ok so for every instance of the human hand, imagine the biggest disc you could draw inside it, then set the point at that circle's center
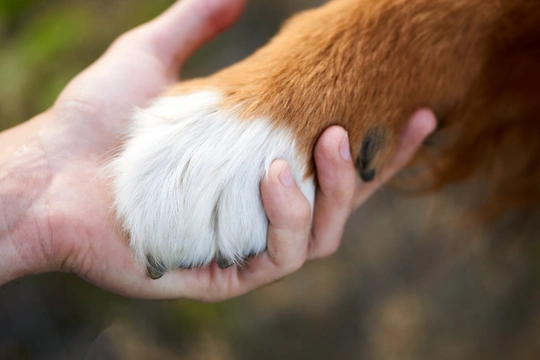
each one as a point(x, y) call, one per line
point(55, 163)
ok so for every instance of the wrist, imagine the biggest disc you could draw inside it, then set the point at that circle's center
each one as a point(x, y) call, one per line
point(24, 179)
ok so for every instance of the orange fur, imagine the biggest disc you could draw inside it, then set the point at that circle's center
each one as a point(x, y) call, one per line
point(368, 64)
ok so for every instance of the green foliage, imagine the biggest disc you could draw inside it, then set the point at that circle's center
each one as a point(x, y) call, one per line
point(13, 9)
point(32, 75)
point(44, 45)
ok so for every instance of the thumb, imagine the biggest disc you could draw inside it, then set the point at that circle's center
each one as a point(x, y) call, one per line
point(187, 25)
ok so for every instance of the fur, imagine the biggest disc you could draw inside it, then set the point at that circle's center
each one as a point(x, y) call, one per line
point(365, 65)
point(187, 183)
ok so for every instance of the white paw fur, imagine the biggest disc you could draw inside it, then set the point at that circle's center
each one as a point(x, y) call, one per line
point(186, 182)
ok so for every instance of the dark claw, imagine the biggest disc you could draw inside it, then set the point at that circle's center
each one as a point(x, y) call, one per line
point(224, 263)
point(155, 268)
point(187, 267)
point(367, 175)
point(374, 140)
point(250, 256)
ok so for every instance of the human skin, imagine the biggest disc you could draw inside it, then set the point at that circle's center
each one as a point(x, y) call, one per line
point(55, 201)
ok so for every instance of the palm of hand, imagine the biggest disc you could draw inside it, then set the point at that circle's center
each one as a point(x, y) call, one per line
point(79, 135)
point(72, 216)
point(89, 118)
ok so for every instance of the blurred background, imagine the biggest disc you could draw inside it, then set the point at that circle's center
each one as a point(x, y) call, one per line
point(413, 279)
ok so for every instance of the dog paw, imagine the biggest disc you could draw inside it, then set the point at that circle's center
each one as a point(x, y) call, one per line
point(186, 182)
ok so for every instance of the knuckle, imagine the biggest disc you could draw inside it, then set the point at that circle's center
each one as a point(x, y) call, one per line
point(289, 259)
point(328, 250)
point(138, 35)
point(295, 263)
point(297, 218)
point(340, 189)
point(302, 215)
point(124, 38)
point(323, 248)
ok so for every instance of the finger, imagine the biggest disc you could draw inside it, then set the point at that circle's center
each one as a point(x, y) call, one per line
point(337, 184)
point(289, 216)
point(420, 125)
point(188, 24)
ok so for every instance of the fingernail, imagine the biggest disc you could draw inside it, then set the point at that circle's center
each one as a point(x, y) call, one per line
point(285, 176)
point(344, 149)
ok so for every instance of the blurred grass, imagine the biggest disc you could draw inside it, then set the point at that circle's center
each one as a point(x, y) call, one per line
point(46, 43)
